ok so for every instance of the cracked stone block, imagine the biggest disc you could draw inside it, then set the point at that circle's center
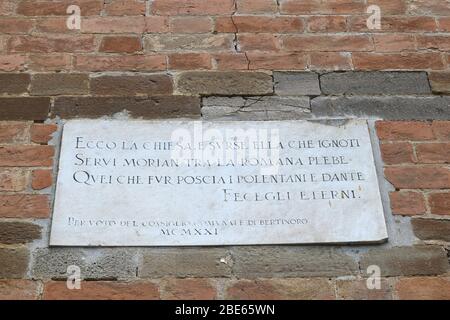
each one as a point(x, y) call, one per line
point(296, 83)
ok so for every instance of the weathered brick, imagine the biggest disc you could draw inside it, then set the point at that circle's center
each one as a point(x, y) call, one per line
point(386, 107)
point(258, 41)
point(330, 61)
point(431, 229)
point(95, 264)
point(276, 261)
point(429, 7)
point(397, 61)
point(281, 289)
point(225, 83)
point(26, 156)
point(423, 288)
point(397, 153)
point(13, 132)
point(327, 43)
point(24, 108)
point(320, 7)
point(395, 24)
point(193, 7)
point(19, 290)
point(258, 60)
point(190, 61)
point(13, 180)
point(190, 24)
point(416, 177)
point(407, 261)
point(100, 24)
point(24, 206)
point(18, 232)
point(48, 44)
point(186, 262)
point(188, 289)
point(255, 108)
point(258, 24)
point(404, 130)
point(16, 25)
point(433, 152)
point(296, 83)
point(120, 63)
point(441, 129)
point(50, 62)
point(41, 179)
point(155, 84)
point(145, 107)
point(230, 61)
point(394, 42)
point(102, 290)
point(59, 84)
point(14, 83)
point(188, 42)
point(358, 290)
point(433, 42)
point(375, 83)
point(407, 203)
point(124, 8)
point(439, 203)
point(121, 44)
point(256, 6)
point(50, 8)
point(327, 24)
point(12, 62)
point(42, 133)
point(440, 81)
point(54, 25)
point(13, 262)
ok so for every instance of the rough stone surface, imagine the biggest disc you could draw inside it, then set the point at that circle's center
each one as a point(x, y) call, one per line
point(103, 264)
point(225, 83)
point(18, 232)
point(13, 262)
point(24, 108)
point(419, 260)
point(377, 83)
point(389, 107)
point(186, 262)
point(255, 108)
point(131, 85)
point(59, 83)
point(275, 261)
point(296, 83)
point(139, 107)
point(431, 229)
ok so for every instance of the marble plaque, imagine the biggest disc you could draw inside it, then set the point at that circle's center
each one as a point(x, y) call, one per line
point(194, 183)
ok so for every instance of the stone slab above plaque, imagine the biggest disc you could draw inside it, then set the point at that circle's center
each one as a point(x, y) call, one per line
point(194, 183)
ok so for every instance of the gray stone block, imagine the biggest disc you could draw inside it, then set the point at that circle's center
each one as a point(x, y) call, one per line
point(283, 261)
point(256, 108)
point(407, 261)
point(376, 83)
point(107, 264)
point(385, 107)
point(296, 83)
point(186, 262)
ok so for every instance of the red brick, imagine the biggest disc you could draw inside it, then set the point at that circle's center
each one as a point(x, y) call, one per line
point(444, 24)
point(124, 44)
point(12, 62)
point(156, 24)
point(256, 6)
point(16, 25)
point(13, 132)
point(51, 8)
point(13, 180)
point(433, 42)
point(330, 61)
point(120, 63)
point(404, 130)
point(397, 153)
point(47, 44)
point(440, 81)
point(19, 290)
point(125, 8)
point(24, 206)
point(281, 289)
point(433, 152)
point(193, 7)
point(191, 25)
point(258, 24)
point(439, 203)
point(7, 7)
point(327, 24)
point(423, 288)
point(276, 61)
point(54, 25)
point(429, 7)
point(41, 179)
point(407, 203)
point(327, 43)
point(131, 85)
point(50, 62)
point(441, 129)
point(259, 41)
point(416, 177)
point(321, 7)
point(395, 24)
point(188, 289)
point(26, 156)
point(42, 133)
point(230, 61)
point(394, 42)
point(358, 290)
point(397, 61)
point(113, 25)
point(102, 290)
point(390, 7)
point(189, 61)
point(24, 108)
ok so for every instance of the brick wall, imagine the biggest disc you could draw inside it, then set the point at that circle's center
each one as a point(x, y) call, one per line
point(229, 60)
